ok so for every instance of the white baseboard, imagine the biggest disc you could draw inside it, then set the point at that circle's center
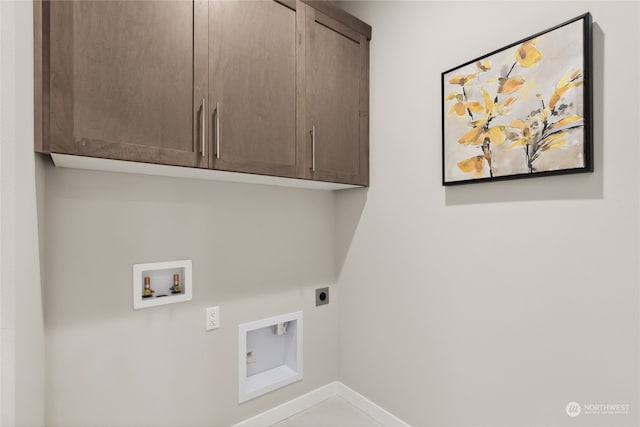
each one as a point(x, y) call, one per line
point(306, 401)
point(378, 413)
point(290, 408)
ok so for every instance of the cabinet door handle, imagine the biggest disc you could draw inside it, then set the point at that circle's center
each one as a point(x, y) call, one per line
point(203, 124)
point(217, 130)
point(313, 148)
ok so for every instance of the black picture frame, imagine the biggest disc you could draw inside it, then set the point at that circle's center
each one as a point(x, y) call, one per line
point(524, 110)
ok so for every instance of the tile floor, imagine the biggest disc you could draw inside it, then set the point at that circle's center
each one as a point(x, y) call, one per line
point(333, 412)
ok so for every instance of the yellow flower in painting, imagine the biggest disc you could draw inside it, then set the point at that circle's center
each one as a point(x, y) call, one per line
point(566, 121)
point(460, 108)
point(501, 106)
point(472, 136)
point(472, 164)
point(554, 145)
point(567, 82)
point(510, 84)
point(488, 102)
point(553, 141)
point(527, 54)
point(462, 80)
point(483, 65)
point(523, 135)
point(509, 101)
point(519, 124)
point(480, 133)
point(496, 134)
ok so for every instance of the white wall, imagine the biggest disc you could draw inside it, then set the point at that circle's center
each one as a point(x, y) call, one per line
point(257, 251)
point(490, 304)
point(22, 336)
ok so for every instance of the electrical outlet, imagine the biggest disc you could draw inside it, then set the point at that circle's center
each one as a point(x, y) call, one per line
point(322, 296)
point(213, 318)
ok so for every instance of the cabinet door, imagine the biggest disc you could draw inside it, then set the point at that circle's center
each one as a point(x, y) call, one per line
point(252, 80)
point(337, 100)
point(127, 79)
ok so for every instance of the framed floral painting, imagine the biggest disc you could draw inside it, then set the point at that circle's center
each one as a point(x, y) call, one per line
point(521, 111)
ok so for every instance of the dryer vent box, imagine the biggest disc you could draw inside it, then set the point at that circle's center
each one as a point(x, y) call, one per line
point(270, 354)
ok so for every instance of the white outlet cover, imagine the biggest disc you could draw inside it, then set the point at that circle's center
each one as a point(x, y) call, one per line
point(212, 318)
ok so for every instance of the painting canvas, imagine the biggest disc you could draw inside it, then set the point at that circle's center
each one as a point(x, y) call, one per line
point(521, 111)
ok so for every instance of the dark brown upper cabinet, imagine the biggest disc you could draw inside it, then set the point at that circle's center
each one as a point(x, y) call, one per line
point(274, 88)
point(123, 80)
point(337, 100)
point(252, 86)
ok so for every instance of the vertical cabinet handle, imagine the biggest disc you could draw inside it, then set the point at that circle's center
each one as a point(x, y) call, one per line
point(217, 130)
point(313, 148)
point(203, 124)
